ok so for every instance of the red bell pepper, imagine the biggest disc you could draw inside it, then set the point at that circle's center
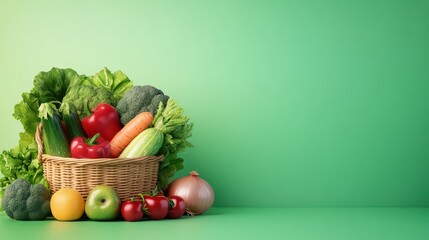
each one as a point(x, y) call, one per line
point(95, 147)
point(104, 120)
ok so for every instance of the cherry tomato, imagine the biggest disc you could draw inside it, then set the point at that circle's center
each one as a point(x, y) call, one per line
point(177, 208)
point(132, 210)
point(156, 206)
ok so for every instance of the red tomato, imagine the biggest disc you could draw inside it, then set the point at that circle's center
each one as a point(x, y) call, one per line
point(132, 210)
point(156, 206)
point(178, 207)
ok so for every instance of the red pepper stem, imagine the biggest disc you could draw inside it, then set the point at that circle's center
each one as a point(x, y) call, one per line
point(92, 141)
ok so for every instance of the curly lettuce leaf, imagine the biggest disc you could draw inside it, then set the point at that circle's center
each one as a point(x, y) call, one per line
point(54, 84)
point(175, 125)
point(26, 112)
point(20, 162)
point(117, 83)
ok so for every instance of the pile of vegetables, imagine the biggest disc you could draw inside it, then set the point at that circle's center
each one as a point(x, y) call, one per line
point(142, 121)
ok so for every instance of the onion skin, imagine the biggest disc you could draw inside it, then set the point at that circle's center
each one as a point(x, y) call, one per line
point(195, 191)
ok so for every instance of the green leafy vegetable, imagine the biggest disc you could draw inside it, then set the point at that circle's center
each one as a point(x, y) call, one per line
point(20, 162)
point(53, 85)
point(177, 129)
point(168, 168)
point(117, 83)
point(86, 97)
point(26, 112)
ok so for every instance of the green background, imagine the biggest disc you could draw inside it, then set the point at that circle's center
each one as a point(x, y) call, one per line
point(295, 103)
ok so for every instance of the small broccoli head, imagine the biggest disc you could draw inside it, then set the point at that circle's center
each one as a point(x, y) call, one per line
point(135, 100)
point(23, 201)
point(153, 106)
point(38, 204)
point(14, 199)
point(86, 97)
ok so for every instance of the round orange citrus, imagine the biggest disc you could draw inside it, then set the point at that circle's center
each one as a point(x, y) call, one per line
point(67, 205)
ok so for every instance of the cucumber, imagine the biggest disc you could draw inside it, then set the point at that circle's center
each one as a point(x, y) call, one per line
point(147, 143)
point(54, 138)
point(72, 121)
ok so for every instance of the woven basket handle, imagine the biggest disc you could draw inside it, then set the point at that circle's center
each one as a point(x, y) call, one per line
point(39, 141)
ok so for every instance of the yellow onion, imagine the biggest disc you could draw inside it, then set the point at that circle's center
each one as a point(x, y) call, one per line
point(195, 191)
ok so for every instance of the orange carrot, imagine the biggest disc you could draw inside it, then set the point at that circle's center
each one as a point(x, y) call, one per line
point(129, 132)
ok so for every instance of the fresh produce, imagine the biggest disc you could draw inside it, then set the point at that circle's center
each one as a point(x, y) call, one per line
point(25, 201)
point(21, 161)
point(146, 143)
point(177, 207)
point(102, 203)
point(167, 135)
point(129, 132)
point(72, 121)
point(171, 128)
point(156, 207)
point(95, 147)
point(67, 205)
point(104, 120)
point(117, 82)
point(140, 99)
point(197, 193)
point(132, 210)
point(54, 138)
point(177, 128)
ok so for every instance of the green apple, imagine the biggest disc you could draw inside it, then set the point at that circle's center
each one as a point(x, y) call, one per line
point(102, 203)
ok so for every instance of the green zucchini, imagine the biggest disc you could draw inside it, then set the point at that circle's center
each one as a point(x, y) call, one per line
point(147, 143)
point(72, 121)
point(54, 138)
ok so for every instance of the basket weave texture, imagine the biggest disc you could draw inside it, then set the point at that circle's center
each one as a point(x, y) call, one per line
point(128, 176)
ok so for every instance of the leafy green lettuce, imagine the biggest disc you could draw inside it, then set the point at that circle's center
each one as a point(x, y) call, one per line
point(53, 85)
point(117, 83)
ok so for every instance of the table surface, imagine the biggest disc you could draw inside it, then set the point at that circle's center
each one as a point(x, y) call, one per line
point(240, 223)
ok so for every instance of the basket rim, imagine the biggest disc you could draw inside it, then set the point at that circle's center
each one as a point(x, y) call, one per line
point(99, 161)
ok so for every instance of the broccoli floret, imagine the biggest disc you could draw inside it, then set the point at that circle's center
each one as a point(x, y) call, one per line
point(139, 99)
point(154, 104)
point(24, 201)
point(86, 97)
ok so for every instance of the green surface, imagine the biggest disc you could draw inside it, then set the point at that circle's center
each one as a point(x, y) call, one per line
point(315, 103)
point(242, 223)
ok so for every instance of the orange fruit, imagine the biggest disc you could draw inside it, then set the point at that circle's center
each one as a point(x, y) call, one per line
point(67, 205)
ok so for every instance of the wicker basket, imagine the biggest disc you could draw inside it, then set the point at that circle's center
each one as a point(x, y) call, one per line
point(128, 176)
